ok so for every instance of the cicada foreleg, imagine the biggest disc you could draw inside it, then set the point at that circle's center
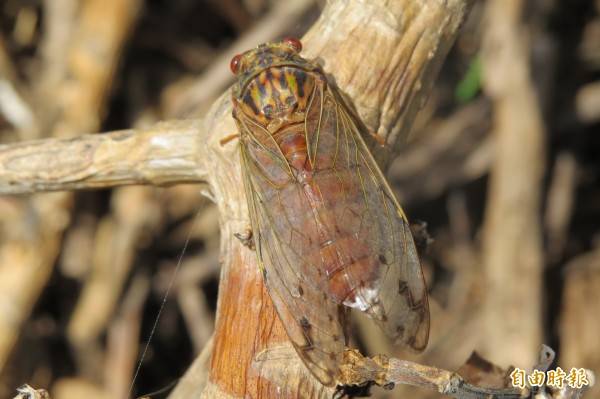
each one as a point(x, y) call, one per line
point(246, 238)
point(228, 138)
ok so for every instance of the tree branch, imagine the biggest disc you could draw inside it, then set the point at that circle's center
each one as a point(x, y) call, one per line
point(512, 241)
point(387, 372)
point(163, 154)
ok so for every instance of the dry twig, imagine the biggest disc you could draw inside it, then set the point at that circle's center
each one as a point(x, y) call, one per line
point(512, 238)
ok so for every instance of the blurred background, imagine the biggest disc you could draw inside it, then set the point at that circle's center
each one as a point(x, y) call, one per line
point(83, 275)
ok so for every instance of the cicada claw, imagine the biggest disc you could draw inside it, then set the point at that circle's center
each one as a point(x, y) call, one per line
point(246, 238)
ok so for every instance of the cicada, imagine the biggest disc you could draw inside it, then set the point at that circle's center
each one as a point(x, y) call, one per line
point(328, 231)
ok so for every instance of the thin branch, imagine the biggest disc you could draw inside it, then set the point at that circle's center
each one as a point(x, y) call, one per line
point(14, 107)
point(512, 244)
point(163, 154)
point(360, 370)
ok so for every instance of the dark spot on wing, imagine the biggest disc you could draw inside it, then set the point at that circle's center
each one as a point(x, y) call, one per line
point(417, 305)
point(382, 259)
point(300, 290)
point(402, 286)
point(400, 330)
point(308, 347)
point(305, 324)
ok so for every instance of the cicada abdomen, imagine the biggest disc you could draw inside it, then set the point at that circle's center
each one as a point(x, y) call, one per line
point(328, 231)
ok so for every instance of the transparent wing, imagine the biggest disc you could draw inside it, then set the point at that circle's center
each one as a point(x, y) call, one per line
point(389, 284)
point(313, 322)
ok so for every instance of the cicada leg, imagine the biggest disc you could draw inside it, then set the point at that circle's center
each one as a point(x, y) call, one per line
point(378, 138)
point(229, 138)
point(246, 238)
point(423, 240)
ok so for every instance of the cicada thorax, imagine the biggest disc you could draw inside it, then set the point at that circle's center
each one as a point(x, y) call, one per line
point(276, 102)
point(280, 103)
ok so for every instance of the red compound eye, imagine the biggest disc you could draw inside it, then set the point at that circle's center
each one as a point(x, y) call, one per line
point(234, 65)
point(293, 43)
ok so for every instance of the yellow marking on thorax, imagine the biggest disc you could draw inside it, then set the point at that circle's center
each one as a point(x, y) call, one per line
point(268, 98)
point(291, 81)
point(256, 97)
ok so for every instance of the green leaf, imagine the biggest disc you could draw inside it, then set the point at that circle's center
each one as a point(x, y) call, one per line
point(470, 84)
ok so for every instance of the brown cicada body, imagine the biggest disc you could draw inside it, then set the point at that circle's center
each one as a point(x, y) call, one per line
point(328, 231)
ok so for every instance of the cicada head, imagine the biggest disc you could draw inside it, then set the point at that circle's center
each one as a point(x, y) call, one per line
point(274, 84)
